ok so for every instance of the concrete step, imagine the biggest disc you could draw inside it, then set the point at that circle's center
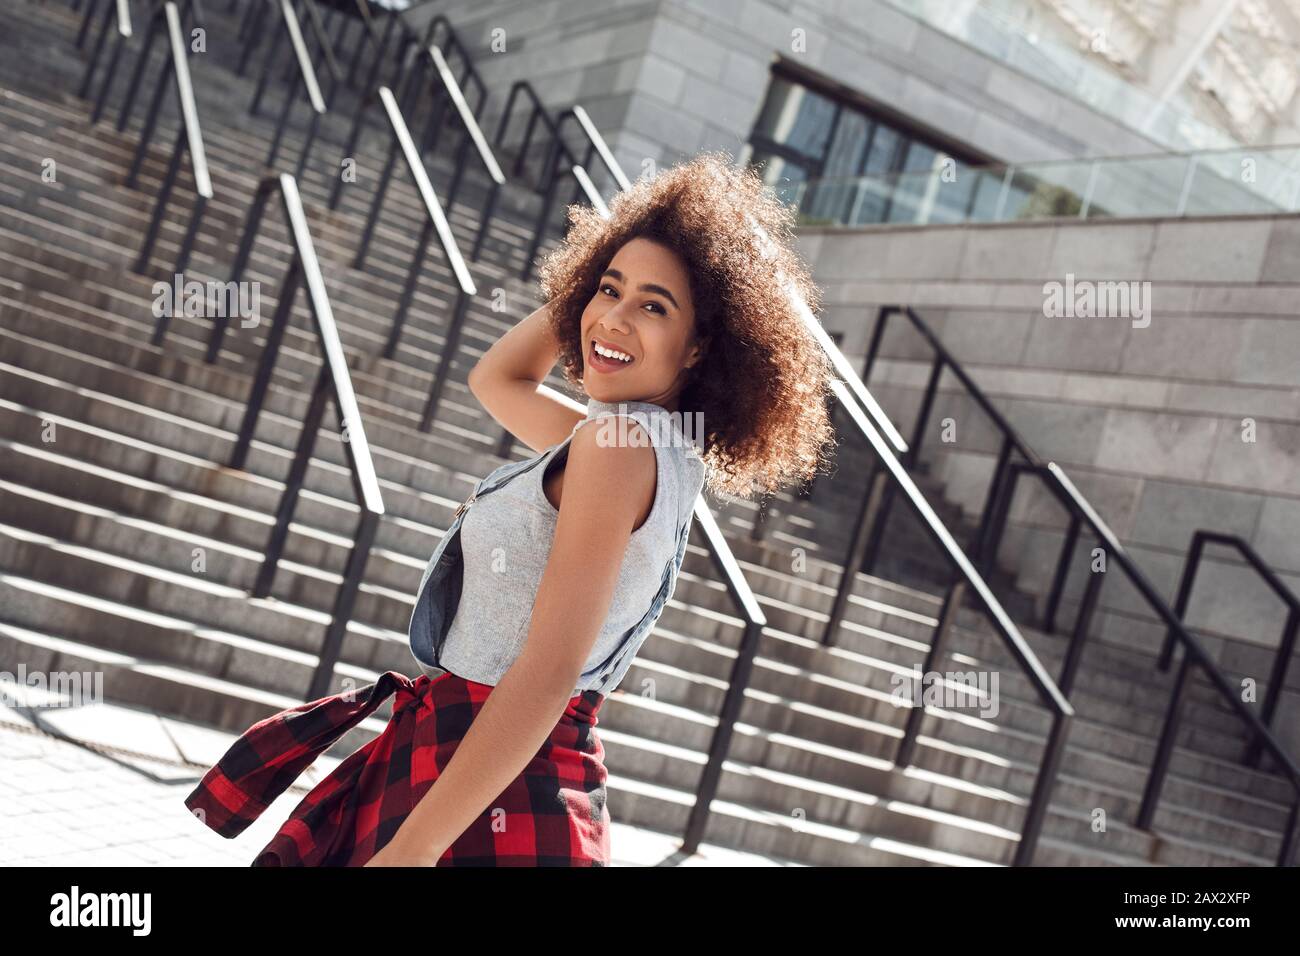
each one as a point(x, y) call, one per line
point(171, 690)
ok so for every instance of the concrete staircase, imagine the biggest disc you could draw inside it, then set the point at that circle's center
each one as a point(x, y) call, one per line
point(128, 546)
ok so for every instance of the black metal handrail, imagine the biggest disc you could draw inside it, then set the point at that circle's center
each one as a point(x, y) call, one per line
point(317, 32)
point(875, 427)
point(451, 43)
point(114, 10)
point(333, 380)
point(370, 36)
point(894, 471)
point(435, 222)
point(746, 604)
point(472, 135)
point(538, 112)
point(1081, 515)
point(593, 195)
point(379, 45)
point(596, 146)
point(325, 48)
point(189, 140)
point(943, 361)
point(190, 12)
point(1282, 659)
point(398, 78)
point(305, 77)
point(1194, 654)
point(557, 151)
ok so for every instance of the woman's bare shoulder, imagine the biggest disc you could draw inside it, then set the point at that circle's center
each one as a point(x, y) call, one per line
point(605, 464)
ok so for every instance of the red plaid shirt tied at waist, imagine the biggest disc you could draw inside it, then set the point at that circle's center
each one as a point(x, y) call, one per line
point(554, 813)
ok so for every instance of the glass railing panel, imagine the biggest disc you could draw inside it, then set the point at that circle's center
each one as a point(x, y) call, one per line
point(1052, 190)
point(1237, 182)
point(1219, 182)
point(1142, 187)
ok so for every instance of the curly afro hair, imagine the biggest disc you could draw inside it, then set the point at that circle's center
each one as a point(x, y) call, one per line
point(762, 385)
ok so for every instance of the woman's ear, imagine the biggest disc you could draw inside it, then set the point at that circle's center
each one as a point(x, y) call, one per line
point(697, 353)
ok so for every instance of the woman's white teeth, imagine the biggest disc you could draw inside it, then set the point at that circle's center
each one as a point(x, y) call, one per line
point(611, 353)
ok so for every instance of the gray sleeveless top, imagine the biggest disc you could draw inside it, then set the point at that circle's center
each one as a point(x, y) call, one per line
point(506, 539)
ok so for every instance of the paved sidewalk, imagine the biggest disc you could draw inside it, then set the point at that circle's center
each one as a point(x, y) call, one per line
point(78, 799)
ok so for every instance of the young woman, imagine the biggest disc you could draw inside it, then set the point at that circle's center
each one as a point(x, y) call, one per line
point(673, 310)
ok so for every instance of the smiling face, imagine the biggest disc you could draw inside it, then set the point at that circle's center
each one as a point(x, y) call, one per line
point(638, 330)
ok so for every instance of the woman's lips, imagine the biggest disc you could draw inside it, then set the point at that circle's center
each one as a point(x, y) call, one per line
point(602, 364)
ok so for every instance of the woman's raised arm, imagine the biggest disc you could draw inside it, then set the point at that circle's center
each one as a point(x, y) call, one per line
point(508, 379)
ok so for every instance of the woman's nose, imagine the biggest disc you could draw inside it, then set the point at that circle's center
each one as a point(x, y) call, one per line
point(616, 320)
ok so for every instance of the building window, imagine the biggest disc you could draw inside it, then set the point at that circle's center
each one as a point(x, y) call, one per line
point(804, 133)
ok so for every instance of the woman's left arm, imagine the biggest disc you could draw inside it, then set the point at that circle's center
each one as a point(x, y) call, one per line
point(608, 490)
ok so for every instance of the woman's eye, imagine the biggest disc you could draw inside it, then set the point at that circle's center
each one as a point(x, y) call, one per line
point(657, 307)
point(610, 287)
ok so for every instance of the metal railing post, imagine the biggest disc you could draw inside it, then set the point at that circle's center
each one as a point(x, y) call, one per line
point(372, 217)
point(408, 289)
point(150, 123)
point(1043, 784)
point(990, 503)
point(110, 74)
point(1074, 652)
point(286, 110)
point(710, 778)
point(1190, 567)
point(916, 713)
point(871, 502)
point(1164, 747)
point(266, 364)
point(268, 62)
point(344, 601)
point(543, 216)
point(160, 207)
point(1276, 678)
point(137, 75)
point(1061, 574)
point(293, 484)
point(247, 238)
point(450, 344)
